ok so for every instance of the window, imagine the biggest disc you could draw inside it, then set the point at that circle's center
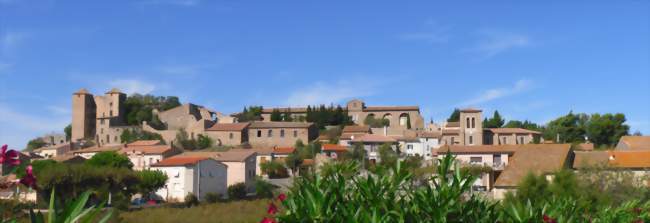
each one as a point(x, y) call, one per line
point(259, 133)
point(110, 113)
point(521, 139)
point(452, 141)
point(409, 147)
point(471, 140)
point(467, 121)
point(270, 133)
point(115, 139)
point(282, 133)
point(505, 140)
point(474, 160)
point(473, 123)
point(230, 136)
point(108, 139)
point(295, 133)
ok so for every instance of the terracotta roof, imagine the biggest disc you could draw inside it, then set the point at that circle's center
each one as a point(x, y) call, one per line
point(350, 135)
point(284, 150)
point(155, 149)
point(470, 110)
point(96, 149)
point(450, 131)
point(334, 148)
point(356, 129)
point(145, 143)
point(452, 124)
point(392, 108)
point(482, 149)
point(512, 130)
point(229, 126)
point(264, 125)
point(405, 138)
point(586, 159)
point(180, 161)
point(228, 156)
point(307, 162)
point(374, 138)
point(629, 159)
point(636, 142)
point(535, 158)
point(323, 137)
point(429, 134)
point(584, 146)
point(258, 150)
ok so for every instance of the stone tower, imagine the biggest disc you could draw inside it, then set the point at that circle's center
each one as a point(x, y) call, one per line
point(83, 115)
point(471, 127)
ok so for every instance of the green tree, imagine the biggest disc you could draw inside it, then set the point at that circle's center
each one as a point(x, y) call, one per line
point(408, 121)
point(237, 191)
point(132, 135)
point(376, 122)
point(606, 129)
point(35, 144)
point(455, 116)
point(252, 113)
point(68, 132)
point(570, 128)
point(495, 122)
point(276, 116)
point(524, 125)
point(203, 142)
point(534, 188)
point(150, 181)
point(110, 159)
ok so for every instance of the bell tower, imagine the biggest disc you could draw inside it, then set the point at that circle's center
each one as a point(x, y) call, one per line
point(471, 127)
point(83, 115)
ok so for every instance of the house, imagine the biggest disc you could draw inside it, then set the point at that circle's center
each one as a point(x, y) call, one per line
point(143, 153)
point(349, 132)
point(231, 134)
point(89, 152)
point(269, 134)
point(263, 155)
point(430, 142)
point(531, 158)
point(54, 150)
point(333, 151)
point(281, 153)
point(467, 131)
point(636, 162)
point(494, 157)
point(241, 165)
point(512, 136)
point(372, 143)
point(411, 146)
point(70, 159)
point(193, 119)
point(633, 143)
point(196, 175)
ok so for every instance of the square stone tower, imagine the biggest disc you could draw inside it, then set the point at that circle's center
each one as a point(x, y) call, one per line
point(471, 127)
point(83, 115)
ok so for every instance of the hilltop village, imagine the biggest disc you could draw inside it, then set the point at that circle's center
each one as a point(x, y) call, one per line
point(190, 142)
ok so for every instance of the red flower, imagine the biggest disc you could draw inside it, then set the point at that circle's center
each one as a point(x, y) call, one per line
point(272, 209)
point(11, 156)
point(282, 197)
point(29, 180)
point(548, 219)
point(267, 220)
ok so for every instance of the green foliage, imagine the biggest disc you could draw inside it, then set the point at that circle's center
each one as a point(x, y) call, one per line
point(495, 122)
point(35, 144)
point(455, 116)
point(376, 122)
point(185, 142)
point(139, 107)
point(75, 211)
point(602, 130)
point(150, 181)
point(274, 169)
point(570, 128)
point(191, 200)
point(524, 125)
point(110, 159)
point(203, 142)
point(276, 116)
point(68, 132)
point(323, 116)
point(212, 198)
point(237, 191)
point(132, 135)
point(264, 189)
point(408, 122)
point(252, 113)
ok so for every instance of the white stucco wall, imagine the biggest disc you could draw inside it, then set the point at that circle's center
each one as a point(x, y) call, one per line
point(207, 176)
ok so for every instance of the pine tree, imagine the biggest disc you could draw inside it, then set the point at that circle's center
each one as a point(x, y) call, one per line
point(276, 116)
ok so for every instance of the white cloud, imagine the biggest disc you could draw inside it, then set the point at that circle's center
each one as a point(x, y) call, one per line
point(130, 86)
point(326, 93)
point(18, 126)
point(495, 43)
point(496, 93)
point(435, 34)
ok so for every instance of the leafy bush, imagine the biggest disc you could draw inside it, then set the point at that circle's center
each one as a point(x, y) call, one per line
point(237, 191)
point(110, 159)
point(191, 200)
point(264, 189)
point(212, 197)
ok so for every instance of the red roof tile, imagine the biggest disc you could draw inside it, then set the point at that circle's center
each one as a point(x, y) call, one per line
point(284, 150)
point(180, 161)
point(334, 147)
point(374, 138)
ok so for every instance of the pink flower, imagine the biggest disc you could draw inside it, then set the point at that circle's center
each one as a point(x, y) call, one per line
point(282, 197)
point(548, 219)
point(267, 220)
point(11, 156)
point(29, 180)
point(272, 209)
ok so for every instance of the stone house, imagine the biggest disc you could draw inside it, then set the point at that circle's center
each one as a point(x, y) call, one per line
point(333, 151)
point(196, 175)
point(144, 153)
point(491, 157)
point(101, 118)
point(231, 134)
point(270, 134)
point(512, 136)
point(372, 143)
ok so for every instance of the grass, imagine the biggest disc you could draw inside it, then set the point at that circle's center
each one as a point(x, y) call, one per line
point(234, 211)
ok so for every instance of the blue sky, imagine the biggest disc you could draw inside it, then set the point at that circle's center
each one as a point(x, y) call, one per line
point(528, 60)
